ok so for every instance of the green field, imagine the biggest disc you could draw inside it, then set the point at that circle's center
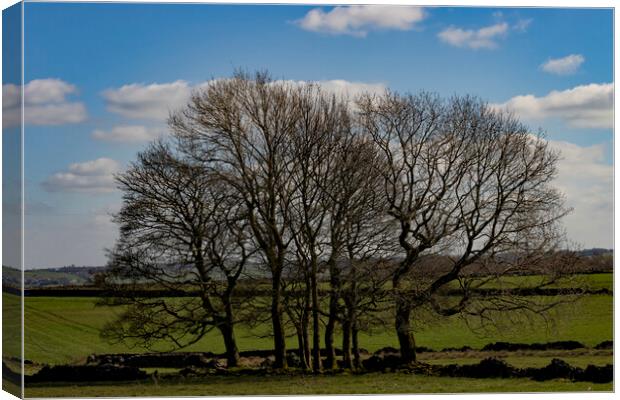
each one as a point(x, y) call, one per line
point(61, 330)
point(11, 325)
point(586, 281)
point(66, 329)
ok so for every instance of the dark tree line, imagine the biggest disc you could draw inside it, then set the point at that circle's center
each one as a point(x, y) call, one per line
point(382, 202)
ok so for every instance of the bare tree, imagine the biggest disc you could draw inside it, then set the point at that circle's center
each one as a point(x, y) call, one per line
point(358, 232)
point(180, 234)
point(410, 178)
point(243, 129)
point(462, 180)
point(315, 146)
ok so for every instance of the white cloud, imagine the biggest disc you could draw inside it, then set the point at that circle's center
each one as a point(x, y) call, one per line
point(359, 20)
point(587, 181)
point(42, 91)
point(129, 134)
point(99, 166)
point(45, 103)
point(563, 66)
point(586, 106)
point(96, 176)
point(352, 89)
point(522, 24)
point(344, 88)
point(483, 38)
point(154, 101)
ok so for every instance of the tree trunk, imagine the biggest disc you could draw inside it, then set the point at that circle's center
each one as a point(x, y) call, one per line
point(357, 363)
point(228, 328)
point(232, 352)
point(403, 331)
point(305, 321)
point(305, 331)
point(346, 343)
point(316, 338)
point(334, 281)
point(301, 345)
point(330, 350)
point(276, 319)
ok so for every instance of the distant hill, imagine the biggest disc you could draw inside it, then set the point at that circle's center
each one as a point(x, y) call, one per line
point(593, 260)
point(61, 276)
point(596, 252)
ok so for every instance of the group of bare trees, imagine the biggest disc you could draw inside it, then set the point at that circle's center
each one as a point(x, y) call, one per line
point(342, 213)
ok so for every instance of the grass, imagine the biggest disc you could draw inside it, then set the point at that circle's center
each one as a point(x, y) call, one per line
point(375, 383)
point(600, 281)
point(61, 330)
point(12, 388)
point(589, 320)
point(11, 325)
point(589, 281)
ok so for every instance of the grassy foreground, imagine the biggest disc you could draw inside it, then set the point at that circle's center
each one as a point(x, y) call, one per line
point(375, 383)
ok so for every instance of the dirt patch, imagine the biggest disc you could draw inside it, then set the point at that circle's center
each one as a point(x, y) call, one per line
point(250, 362)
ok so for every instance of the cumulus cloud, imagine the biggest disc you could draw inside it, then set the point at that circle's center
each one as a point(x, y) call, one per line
point(129, 134)
point(45, 103)
point(483, 38)
point(586, 106)
point(563, 66)
point(359, 20)
point(587, 181)
point(352, 89)
point(154, 101)
point(342, 88)
point(96, 176)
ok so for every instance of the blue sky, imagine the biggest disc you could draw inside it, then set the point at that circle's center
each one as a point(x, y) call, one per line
point(102, 77)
